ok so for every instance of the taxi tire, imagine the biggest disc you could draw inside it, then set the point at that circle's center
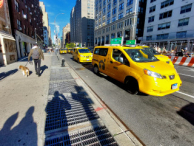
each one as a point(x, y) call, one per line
point(96, 70)
point(132, 86)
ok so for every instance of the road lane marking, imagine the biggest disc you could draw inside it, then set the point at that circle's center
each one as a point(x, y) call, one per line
point(185, 94)
point(186, 75)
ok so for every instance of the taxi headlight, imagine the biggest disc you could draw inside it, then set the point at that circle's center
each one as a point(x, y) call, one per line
point(81, 55)
point(153, 74)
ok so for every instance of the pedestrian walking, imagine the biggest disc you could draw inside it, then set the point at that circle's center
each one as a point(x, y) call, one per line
point(37, 55)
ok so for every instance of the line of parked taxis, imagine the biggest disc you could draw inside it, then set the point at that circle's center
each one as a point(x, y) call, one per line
point(140, 68)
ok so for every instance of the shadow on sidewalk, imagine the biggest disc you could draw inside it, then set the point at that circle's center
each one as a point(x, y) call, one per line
point(43, 68)
point(6, 74)
point(65, 113)
point(25, 133)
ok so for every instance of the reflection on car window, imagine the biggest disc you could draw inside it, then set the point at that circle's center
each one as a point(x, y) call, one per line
point(84, 51)
point(101, 51)
point(141, 55)
point(151, 50)
point(120, 57)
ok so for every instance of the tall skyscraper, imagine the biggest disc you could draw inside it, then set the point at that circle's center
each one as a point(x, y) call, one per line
point(119, 18)
point(66, 29)
point(82, 23)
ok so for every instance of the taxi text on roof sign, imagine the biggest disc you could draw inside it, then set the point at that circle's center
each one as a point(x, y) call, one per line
point(130, 42)
point(116, 41)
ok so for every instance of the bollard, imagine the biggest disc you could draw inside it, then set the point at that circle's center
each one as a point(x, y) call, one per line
point(63, 62)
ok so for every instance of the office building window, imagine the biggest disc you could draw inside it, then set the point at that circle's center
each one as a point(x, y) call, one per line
point(114, 2)
point(107, 39)
point(114, 19)
point(120, 15)
point(129, 11)
point(109, 6)
point(129, 2)
point(150, 29)
point(18, 24)
point(121, 6)
point(127, 22)
point(108, 14)
point(152, 9)
point(165, 15)
point(151, 19)
point(167, 3)
point(185, 9)
point(137, 20)
point(151, 1)
point(108, 1)
point(162, 36)
point(181, 34)
point(108, 21)
point(140, 10)
point(148, 38)
point(112, 35)
point(114, 11)
point(183, 22)
point(119, 25)
point(164, 26)
point(104, 2)
point(104, 10)
point(17, 6)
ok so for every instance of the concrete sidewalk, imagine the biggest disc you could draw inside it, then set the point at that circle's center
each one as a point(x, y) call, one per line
point(22, 104)
point(57, 108)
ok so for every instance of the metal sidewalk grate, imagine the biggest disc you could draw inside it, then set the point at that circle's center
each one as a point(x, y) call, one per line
point(63, 87)
point(98, 136)
point(60, 74)
point(65, 111)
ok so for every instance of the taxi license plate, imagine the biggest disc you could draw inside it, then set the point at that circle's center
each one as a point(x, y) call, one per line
point(174, 86)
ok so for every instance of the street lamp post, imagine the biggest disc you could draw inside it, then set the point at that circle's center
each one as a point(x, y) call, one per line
point(55, 29)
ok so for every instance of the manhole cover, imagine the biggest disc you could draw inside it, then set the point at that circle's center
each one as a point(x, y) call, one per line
point(63, 87)
point(64, 111)
point(97, 136)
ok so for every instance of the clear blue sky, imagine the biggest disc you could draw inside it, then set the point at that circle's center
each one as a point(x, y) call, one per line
point(54, 7)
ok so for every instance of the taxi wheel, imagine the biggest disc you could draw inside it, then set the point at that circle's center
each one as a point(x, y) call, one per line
point(132, 86)
point(96, 70)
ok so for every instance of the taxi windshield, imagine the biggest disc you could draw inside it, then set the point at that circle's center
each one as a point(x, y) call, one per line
point(152, 51)
point(63, 49)
point(139, 55)
point(84, 51)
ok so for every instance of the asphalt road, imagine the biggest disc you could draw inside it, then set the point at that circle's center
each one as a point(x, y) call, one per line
point(157, 121)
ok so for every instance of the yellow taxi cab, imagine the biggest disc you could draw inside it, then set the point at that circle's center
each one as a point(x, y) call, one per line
point(82, 55)
point(63, 51)
point(158, 55)
point(139, 73)
point(69, 50)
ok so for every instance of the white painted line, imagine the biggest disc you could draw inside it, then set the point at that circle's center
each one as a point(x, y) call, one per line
point(185, 94)
point(186, 75)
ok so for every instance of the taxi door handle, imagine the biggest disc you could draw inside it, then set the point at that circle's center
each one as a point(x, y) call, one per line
point(111, 62)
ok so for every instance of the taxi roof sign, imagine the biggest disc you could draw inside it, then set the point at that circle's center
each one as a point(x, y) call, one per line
point(130, 42)
point(116, 41)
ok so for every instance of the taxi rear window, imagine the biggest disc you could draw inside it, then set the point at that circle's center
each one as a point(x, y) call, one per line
point(101, 51)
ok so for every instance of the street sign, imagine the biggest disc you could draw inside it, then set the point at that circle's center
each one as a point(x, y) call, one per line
point(130, 42)
point(115, 41)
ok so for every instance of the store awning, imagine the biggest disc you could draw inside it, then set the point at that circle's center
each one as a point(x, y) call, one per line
point(6, 36)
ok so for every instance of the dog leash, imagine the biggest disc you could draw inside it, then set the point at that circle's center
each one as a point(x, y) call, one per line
point(30, 62)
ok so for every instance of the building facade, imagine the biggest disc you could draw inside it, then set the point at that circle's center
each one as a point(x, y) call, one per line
point(45, 21)
point(82, 23)
point(8, 53)
point(26, 24)
point(169, 24)
point(66, 29)
point(68, 38)
point(119, 18)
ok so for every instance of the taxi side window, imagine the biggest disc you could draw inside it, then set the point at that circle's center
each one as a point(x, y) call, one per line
point(101, 51)
point(120, 57)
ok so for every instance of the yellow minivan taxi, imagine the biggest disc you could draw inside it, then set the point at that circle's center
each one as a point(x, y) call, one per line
point(82, 55)
point(158, 55)
point(63, 51)
point(69, 50)
point(139, 73)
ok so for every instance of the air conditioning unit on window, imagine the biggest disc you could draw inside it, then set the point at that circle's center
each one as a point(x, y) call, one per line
point(30, 13)
point(20, 28)
point(24, 16)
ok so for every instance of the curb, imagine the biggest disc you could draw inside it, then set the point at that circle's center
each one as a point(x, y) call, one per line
point(182, 61)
